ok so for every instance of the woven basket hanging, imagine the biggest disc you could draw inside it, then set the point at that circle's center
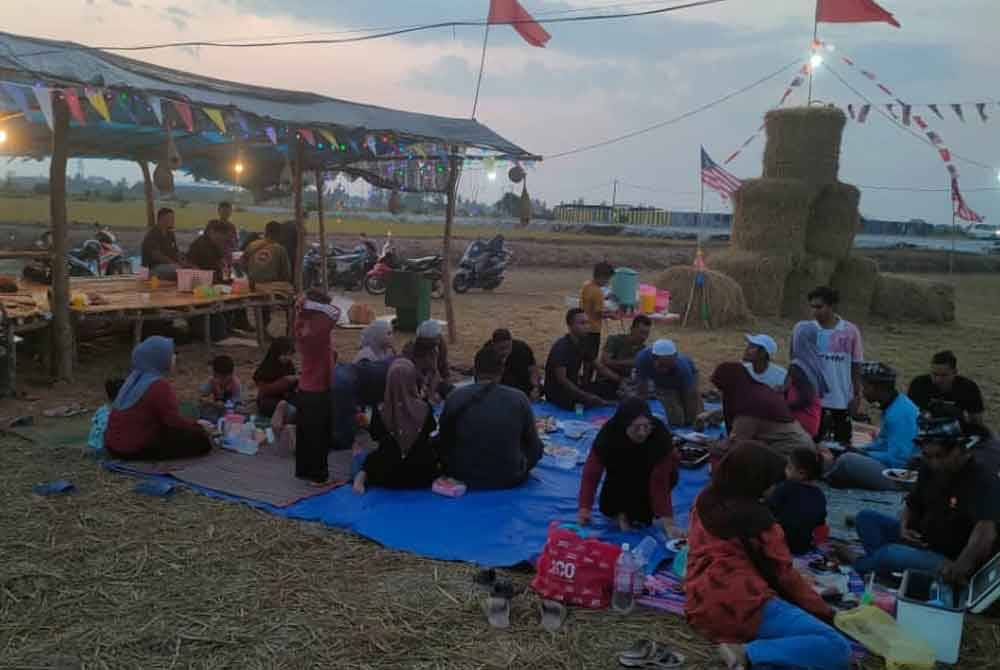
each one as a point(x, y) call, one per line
point(395, 203)
point(525, 206)
point(163, 179)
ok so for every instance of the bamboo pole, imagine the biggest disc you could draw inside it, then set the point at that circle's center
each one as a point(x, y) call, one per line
point(449, 220)
point(147, 187)
point(62, 326)
point(300, 224)
point(324, 270)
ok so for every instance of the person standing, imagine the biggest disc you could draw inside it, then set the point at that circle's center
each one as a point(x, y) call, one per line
point(592, 303)
point(565, 382)
point(842, 354)
point(314, 333)
point(944, 392)
point(757, 360)
point(159, 247)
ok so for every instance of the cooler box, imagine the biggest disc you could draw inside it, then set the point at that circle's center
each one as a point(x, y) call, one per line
point(410, 294)
point(625, 286)
point(935, 612)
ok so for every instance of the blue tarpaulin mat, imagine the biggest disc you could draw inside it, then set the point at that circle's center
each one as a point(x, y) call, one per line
point(489, 528)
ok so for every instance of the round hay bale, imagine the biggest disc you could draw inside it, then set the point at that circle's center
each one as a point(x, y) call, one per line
point(914, 300)
point(834, 222)
point(726, 304)
point(806, 274)
point(804, 143)
point(762, 277)
point(771, 216)
point(856, 279)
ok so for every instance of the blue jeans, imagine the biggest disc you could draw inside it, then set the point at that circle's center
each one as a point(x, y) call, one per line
point(790, 637)
point(884, 554)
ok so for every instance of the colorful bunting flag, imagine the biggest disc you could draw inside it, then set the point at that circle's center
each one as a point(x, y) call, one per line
point(945, 154)
point(863, 113)
point(74, 106)
point(952, 170)
point(184, 111)
point(328, 136)
point(308, 136)
point(869, 75)
point(919, 120)
point(271, 134)
point(850, 110)
point(796, 82)
point(934, 108)
point(372, 145)
point(891, 108)
point(354, 147)
point(16, 93)
point(981, 108)
point(216, 117)
point(853, 11)
point(96, 98)
point(788, 92)
point(934, 138)
point(907, 110)
point(847, 60)
point(241, 120)
point(43, 95)
point(885, 89)
point(156, 104)
point(958, 112)
point(961, 209)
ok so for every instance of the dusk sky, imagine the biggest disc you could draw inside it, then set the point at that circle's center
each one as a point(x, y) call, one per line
point(601, 79)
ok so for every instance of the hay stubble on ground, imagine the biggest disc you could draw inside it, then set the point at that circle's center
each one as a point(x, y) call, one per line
point(111, 579)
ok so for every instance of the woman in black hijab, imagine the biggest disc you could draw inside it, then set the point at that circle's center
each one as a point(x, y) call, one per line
point(636, 450)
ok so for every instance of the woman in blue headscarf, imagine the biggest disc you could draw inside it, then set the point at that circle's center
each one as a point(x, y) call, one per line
point(805, 385)
point(145, 422)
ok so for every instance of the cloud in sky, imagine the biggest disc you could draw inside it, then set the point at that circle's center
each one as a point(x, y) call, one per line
point(597, 80)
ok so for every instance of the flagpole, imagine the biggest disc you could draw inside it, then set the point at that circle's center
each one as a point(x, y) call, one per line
point(482, 66)
point(951, 253)
point(812, 48)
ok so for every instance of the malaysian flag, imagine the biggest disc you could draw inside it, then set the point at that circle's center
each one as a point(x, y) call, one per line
point(717, 179)
point(962, 210)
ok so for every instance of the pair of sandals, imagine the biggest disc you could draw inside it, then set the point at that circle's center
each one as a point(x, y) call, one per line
point(650, 654)
point(502, 591)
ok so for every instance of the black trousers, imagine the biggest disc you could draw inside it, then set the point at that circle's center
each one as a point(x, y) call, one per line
point(313, 435)
point(177, 443)
point(837, 423)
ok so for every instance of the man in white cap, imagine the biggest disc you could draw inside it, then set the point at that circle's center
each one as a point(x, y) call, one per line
point(757, 360)
point(673, 378)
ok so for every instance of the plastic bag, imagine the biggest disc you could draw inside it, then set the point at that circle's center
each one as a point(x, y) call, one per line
point(880, 634)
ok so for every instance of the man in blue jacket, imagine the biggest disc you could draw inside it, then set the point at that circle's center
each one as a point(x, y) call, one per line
point(894, 445)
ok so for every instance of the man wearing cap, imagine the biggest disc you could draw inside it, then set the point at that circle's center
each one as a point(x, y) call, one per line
point(757, 360)
point(673, 378)
point(894, 445)
point(949, 523)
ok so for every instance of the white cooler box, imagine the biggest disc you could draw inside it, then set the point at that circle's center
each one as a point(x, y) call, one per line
point(931, 610)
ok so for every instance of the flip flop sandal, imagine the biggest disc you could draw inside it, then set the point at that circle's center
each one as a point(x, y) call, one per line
point(662, 658)
point(639, 650)
point(504, 588)
point(485, 578)
point(553, 615)
point(497, 612)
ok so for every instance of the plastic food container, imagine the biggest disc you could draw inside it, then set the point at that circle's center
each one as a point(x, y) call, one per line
point(189, 280)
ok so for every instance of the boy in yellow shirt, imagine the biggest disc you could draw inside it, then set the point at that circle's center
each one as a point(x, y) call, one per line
point(592, 303)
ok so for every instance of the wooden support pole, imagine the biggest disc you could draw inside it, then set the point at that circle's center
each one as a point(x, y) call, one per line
point(323, 269)
point(300, 224)
point(62, 325)
point(449, 309)
point(147, 187)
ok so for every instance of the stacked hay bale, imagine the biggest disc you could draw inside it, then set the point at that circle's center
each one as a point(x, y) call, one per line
point(726, 304)
point(914, 300)
point(855, 280)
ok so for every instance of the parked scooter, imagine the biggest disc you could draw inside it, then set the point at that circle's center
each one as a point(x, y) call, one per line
point(98, 257)
point(430, 267)
point(346, 268)
point(482, 266)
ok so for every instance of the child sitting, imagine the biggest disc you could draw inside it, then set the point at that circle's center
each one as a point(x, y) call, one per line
point(223, 388)
point(797, 503)
point(276, 378)
point(95, 440)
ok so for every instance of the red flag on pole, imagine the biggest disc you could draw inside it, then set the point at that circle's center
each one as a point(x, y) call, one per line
point(511, 12)
point(853, 11)
point(962, 210)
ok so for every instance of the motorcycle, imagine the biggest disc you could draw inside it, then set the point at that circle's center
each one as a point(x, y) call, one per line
point(482, 266)
point(346, 268)
point(430, 267)
point(101, 256)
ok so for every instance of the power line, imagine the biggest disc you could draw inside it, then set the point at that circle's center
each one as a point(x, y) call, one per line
point(899, 125)
point(676, 119)
point(383, 34)
point(928, 189)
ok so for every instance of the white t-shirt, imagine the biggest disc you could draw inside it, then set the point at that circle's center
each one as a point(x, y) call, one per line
point(839, 349)
point(773, 376)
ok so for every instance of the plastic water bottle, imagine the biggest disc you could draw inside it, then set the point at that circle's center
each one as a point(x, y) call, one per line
point(579, 410)
point(645, 551)
point(626, 577)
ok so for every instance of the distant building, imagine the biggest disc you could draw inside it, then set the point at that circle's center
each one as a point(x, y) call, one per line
point(638, 216)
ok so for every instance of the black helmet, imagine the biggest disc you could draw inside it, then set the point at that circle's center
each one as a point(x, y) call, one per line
point(873, 371)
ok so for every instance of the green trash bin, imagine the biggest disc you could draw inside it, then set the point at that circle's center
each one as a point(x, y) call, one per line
point(410, 294)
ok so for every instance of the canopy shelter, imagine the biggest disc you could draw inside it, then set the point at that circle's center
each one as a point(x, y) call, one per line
point(62, 100)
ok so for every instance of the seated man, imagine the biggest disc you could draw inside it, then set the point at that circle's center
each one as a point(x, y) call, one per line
point(944, 392)
point(672, 378)
point(893, 447)
point(566, 383)
point(620, 351)
point(488, 435)
point(266, 260)
point(159, 247)
point(757, 361)
point(208, 251)
point(438, 380)
point(949, 523)
point(520, 370)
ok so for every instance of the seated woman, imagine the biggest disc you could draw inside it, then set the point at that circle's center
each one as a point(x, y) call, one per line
point(894, 445)
point(405, 458)
point(757, 412)
point(277, 381)
point(743, 592)
point(805, 385)
point(145, 421)
point(376, 342)
point(637, 452)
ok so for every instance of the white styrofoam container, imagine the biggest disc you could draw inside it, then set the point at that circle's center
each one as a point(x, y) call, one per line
point(941, 626)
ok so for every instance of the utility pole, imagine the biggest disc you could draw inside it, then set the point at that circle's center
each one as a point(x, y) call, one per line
point(614, 193)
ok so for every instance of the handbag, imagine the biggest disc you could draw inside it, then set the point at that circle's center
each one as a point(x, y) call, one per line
point(575, 570)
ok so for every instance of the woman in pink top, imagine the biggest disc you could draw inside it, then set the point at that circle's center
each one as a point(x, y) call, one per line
point(805, 385)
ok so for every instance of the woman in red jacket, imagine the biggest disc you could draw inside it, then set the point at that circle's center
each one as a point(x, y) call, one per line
point(145, 421)
point(742, 590)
